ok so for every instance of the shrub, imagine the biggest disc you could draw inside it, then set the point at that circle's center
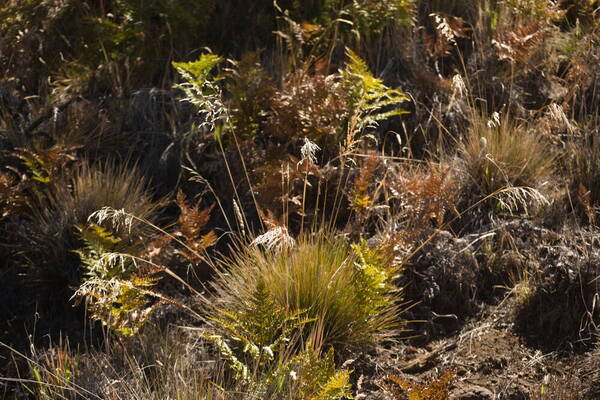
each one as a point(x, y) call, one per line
point(346, 291)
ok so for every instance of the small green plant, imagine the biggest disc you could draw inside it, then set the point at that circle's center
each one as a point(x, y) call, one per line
point(201, 88)
point(315, 377)
point(54, 371)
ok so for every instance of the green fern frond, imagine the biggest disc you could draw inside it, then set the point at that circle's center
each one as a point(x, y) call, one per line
point(368, 94)
point(36, 164)
point(337, 387)
point(202, 90)
point(317, 376)
point(199, 72)
point(116, 289)
point(260, 327)
point(373, 278)
point(241, 370)
point(370, 99)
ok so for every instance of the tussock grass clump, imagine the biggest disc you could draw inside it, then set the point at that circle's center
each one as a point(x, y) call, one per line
point(91, 187)
point(346, 291)
point(63, 204)
point(501, 153)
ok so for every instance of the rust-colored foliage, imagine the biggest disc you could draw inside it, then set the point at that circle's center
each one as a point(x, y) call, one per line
point(427, 196)
point(521, 44)
point(584, 197)
point(308, 106)
point(405, 389)
point(281, 187)
point(361, 196)
point(446, 30)
point(190, 232)
point(192, 221)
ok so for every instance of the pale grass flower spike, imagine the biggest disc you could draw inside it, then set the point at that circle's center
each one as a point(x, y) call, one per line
point(309, 151)
point(277, 239)
point(494, 121)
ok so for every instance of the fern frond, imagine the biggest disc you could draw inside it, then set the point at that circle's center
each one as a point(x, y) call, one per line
point(202, 90)
point(116, 288)
point(370, 99)
point(336, 387)
point(198, 72)
point(437, 389)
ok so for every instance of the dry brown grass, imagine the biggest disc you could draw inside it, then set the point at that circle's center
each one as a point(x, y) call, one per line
point(501, 153)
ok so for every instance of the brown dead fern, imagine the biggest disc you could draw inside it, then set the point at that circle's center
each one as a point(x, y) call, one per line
point(404, 389)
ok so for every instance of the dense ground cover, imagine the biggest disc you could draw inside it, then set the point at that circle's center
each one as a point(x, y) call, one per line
point(299, 199)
